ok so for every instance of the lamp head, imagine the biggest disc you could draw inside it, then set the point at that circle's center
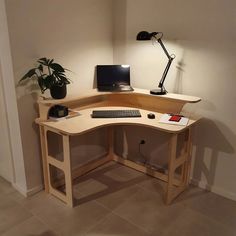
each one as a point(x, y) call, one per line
point(144, 35)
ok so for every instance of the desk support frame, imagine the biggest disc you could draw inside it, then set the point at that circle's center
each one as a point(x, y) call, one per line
point(175, 186)
point(64, 166)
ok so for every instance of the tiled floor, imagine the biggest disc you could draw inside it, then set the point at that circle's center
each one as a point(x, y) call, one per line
point(115, 200)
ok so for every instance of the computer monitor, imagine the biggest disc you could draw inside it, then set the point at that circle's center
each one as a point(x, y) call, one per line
point(113, 75)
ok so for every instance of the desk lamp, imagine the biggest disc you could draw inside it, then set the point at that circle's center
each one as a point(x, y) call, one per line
point(144, 35)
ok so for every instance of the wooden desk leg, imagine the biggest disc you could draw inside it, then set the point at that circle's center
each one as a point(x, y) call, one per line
point(67, 170)
point(184, 160)
point(64, 166)
point(189, 156)
point(171, 167)
point(44, 157)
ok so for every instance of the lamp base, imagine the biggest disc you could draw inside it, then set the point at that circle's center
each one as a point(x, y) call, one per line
point(159, 91)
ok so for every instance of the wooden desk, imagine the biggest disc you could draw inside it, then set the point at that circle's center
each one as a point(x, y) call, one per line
point(139, 98)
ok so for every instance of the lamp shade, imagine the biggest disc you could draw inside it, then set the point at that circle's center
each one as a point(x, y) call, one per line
point(144, 35)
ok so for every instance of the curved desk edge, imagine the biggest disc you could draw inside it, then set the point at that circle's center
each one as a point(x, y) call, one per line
point(72, 125)
point(95, 92)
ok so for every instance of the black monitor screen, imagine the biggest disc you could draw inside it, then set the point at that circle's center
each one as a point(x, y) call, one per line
point(108, 75)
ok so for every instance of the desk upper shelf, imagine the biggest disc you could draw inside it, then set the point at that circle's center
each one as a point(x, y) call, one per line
point(136, 92)
point(139, 98)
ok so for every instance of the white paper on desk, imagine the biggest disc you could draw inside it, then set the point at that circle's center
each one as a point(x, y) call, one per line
point(71, 115)
point(56, 118)
point(165, 119)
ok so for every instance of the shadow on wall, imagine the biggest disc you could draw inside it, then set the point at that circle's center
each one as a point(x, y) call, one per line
point(210, 141)
point(154, 150)
point(178, 85)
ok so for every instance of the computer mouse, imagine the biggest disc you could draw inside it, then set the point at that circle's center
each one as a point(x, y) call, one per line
point(151, 116)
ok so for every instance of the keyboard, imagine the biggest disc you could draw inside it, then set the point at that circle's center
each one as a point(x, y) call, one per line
point(115, 113)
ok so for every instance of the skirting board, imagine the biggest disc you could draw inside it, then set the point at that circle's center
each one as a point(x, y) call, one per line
point(28, 192)
point(216, 190)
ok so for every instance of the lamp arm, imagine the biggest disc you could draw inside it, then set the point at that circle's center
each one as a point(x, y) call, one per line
point(170, 57)
point(165, 72)
point(164, 48)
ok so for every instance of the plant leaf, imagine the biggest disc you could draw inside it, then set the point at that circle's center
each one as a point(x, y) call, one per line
point(42, 63)
point(41, 84)
point(29, 74)
point(40, 67)
point(57, 67)
point(49, 81)
point(61, 77)
point(50, 62)
point(44, 59)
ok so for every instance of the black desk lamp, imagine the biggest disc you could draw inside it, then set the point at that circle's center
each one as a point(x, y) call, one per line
point(144, 35)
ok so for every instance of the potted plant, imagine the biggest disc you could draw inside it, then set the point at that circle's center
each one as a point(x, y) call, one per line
point(50, 75)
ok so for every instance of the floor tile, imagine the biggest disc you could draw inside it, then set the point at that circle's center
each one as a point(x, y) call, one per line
point(108, 184)
point(193, 223)
point(116, 198)
point(69, 221)
point(5, 187)
point(154, 185)
point(31, 226)
point(38, 201)
point(11, 213)
point(147, 210)
point(17, 197)
point(123, 174)
point(211, 205)
point(114, 225)
point(6, 202)
point(89, 187)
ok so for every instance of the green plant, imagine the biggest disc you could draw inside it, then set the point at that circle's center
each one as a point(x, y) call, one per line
point(48, 73)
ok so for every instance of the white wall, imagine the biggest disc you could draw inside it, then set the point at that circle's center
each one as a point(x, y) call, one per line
point(12, 161)
point(77, 34)
point(5, 149)
point(201, 34)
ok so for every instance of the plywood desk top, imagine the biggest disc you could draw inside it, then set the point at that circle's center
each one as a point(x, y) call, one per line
point(92, 99)
point(84, 123)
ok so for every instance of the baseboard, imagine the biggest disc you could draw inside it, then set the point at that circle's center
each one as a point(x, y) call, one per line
point(34, 190)
point(216, 190)
point(28, 192)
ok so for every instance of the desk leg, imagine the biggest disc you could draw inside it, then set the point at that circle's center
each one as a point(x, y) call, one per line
point(64, 166)
point(171, 167)
point(189, 156)
point(183, 161)
point(44, 157)
point(67, 170)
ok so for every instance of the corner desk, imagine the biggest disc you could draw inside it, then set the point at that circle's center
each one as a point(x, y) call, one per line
point(137, 99)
